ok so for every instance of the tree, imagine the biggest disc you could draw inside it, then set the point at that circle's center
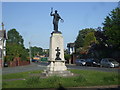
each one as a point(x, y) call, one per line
point(14, 50)
point(80, 40)
point(14, 37)
point(14, 46)
point(101, 37)
point(112, 28)
point(81, 36)
point(67, 57)
point(89, 39)
point(36, 51)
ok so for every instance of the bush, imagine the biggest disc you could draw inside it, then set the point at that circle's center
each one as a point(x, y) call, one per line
point(8, 58)
point(67, 56)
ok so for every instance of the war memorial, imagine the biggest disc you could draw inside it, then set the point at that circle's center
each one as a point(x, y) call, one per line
point(56, 51)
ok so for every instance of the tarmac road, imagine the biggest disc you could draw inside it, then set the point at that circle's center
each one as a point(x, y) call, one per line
point(42, 66)
point(17, 69)
point(94, 68)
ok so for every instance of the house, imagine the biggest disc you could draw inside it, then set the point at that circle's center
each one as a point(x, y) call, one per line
point(2, 45)
point(71, 48)
point(71, 51)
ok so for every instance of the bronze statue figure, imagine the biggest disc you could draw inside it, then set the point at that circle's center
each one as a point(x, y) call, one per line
point(56, 18)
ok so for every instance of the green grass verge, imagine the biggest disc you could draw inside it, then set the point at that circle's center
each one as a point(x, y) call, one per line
point(84, 78)
point(19, 75)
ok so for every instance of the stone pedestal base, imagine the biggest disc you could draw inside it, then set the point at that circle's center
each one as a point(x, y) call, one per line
point(57, 73)
point(56, 66)
point(56, 58)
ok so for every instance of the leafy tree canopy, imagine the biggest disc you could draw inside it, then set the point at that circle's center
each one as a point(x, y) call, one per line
point(84, 40)
point(112, 28)
point(14, 37)
point(89, 39)
point(81, 37)
point(14, 46)
point(36, 51)
point(14, 50)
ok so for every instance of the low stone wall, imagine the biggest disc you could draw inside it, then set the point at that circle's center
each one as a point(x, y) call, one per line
point(21, 63)
point(12, 64)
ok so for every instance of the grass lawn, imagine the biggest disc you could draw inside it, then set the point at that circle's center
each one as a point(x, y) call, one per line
point(84, 78)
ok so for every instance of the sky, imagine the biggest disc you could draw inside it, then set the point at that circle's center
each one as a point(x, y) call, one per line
point(34, 23)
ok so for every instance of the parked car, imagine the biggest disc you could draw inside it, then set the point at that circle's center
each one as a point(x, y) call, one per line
point(109, 62)
point(34, 60)
point(92, 62)
point(44, 59)
point(5, 64)
point(80, 62)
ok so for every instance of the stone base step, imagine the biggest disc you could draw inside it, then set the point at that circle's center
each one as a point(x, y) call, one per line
point(57, 73)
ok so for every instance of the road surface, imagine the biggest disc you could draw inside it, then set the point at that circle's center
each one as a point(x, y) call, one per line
point(42, 66)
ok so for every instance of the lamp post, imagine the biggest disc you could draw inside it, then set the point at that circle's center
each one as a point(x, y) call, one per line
point(119, 4)
point(3, 53)
point(3, 44)
point(30, 52)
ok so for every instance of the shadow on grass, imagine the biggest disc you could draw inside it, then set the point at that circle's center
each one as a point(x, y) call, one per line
point(61, 87)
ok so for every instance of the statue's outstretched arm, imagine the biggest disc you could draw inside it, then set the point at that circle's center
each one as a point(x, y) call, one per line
point(51, 14)
point(59, 17)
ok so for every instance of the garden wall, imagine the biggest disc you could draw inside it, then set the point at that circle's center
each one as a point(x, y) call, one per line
point(18, 62)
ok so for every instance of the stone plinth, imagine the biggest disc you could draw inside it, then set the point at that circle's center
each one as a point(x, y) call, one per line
point(56, 57)
point(57, 73)
point(56, 64)
point(56, 40)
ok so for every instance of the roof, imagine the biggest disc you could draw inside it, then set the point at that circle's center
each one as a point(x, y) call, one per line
point(3, 34)
point(71, 45)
